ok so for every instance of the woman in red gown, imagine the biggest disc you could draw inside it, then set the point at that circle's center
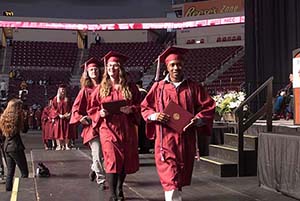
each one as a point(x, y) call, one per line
point(117, 127)
point(89, 80)
point(61, 111)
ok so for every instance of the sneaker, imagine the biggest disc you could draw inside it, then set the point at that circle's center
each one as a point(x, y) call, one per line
point(58, 148)
point(102, 187)
point(100, 180)
point(289, 116)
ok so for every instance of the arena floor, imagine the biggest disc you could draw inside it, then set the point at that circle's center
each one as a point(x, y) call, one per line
point(69, 180)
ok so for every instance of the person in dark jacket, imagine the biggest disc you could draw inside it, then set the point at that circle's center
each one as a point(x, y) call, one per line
point(11, 124)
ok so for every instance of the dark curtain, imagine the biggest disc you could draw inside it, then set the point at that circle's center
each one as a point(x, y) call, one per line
point(272, 31)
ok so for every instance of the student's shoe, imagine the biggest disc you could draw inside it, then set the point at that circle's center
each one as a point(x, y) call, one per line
point(92, 175)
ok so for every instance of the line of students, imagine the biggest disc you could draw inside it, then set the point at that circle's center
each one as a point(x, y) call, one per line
point(55, 121)
point(117, 133)
point(174, 152)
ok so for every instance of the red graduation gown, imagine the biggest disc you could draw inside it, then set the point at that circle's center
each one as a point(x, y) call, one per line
point(178, 150)
point(61, 130)
point(118, 132)
point(46, 123)
point(37, 117)
point(79, 110)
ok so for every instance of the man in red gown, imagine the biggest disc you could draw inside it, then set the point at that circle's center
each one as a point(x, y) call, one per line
point(175, 152)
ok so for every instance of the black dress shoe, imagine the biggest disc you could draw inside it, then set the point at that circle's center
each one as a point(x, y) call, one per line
point(92, 175)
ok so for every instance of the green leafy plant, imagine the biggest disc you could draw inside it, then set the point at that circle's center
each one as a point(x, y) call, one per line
point(227, 102)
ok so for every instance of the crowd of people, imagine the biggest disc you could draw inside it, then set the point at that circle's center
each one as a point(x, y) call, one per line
point(284, 102)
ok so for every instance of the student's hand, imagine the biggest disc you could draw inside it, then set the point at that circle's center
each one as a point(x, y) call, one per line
point(126, 109)
point(198, 122)
point(67, 115)
point(162, 117)
point(85, 120)
point(103, 113)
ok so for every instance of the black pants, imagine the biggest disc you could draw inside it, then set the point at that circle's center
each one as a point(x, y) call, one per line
point(1, 163)
point(13, 158)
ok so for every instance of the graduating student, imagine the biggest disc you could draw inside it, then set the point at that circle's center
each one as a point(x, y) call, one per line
point(60, 112)
point(46, 125)
point(175, 152)
point(118, 129)
point(90, 78)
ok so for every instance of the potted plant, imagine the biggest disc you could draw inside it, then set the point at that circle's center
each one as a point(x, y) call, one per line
point(227, 102)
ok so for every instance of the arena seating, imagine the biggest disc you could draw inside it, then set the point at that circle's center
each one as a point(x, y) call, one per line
point(141, 54)
point(200, 62)
point(36, 88)
point(232, 79)
point(44, 54)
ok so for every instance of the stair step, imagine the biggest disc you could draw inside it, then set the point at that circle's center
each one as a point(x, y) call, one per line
point(226, 152)
point(250, 141)
point(220, 167)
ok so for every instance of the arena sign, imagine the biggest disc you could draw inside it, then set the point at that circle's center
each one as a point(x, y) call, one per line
point(212, 7)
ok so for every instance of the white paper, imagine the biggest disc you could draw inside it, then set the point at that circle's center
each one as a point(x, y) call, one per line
point(296, 73)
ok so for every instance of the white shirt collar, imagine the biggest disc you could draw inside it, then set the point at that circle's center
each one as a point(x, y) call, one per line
point(176, 84)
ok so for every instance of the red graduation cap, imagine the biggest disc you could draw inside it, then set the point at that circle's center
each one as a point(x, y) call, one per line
point(172, 53)
point(91, 62)
point(115, 56)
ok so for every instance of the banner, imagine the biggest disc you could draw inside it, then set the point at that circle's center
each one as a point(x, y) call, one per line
point(296, 85)
point(296, 72)
point(212, 7)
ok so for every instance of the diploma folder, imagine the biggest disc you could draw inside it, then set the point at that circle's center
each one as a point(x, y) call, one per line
point(179, 117)
point(113, 107)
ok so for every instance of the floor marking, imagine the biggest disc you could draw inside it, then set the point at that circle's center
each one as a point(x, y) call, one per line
point(14, 193)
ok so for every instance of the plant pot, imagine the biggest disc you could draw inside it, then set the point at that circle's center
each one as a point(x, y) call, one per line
point(229, 116)
point(217, 117)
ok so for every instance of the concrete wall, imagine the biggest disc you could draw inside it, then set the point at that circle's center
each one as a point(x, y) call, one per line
point(119, 36)
point(87, 9)
point(44, 35)
point(210, 35)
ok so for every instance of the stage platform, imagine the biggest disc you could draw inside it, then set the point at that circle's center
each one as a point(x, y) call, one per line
point(69, 181)
point(279, 126)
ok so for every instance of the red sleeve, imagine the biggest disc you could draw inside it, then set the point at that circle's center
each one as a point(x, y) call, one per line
point(44, 116)
point(148, 107)
point(93, 111)
point(79, 107)
point(136, 99)
point(53, 110)
point(205, 106)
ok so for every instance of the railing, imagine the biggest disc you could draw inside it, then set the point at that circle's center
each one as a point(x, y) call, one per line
point(244, 124)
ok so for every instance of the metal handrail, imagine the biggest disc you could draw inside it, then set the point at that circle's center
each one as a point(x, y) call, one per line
point(244, 124)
